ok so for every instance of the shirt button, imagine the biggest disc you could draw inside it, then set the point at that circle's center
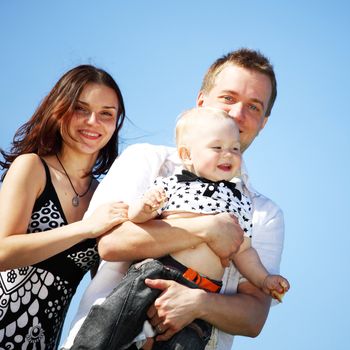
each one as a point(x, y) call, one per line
point(211, 188)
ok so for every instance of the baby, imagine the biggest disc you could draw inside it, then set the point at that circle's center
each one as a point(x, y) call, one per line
point(209, 147)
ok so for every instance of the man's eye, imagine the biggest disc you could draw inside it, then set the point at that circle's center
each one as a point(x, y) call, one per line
point(254, 108)
point(228, 98)
point(216, 147)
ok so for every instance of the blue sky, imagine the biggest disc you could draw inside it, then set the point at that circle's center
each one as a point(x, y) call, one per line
point(158, 52)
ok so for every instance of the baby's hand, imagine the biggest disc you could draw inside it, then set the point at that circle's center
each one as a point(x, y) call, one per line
point(276, 286)
point(153, 199)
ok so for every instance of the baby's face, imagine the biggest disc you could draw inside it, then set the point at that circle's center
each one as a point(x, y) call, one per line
point(215, 150)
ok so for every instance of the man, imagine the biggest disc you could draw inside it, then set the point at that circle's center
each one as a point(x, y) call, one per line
point(243, 84)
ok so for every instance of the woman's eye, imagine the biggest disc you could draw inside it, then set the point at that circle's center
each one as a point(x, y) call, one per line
point(80, 109)
point(107, 115)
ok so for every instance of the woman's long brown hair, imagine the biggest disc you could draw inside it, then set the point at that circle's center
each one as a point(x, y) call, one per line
point(42, 133)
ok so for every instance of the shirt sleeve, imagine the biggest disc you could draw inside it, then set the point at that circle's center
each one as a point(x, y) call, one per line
point(131, 174)
point(268, 233)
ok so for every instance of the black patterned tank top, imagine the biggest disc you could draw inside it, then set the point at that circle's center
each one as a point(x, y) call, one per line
point(34, 299)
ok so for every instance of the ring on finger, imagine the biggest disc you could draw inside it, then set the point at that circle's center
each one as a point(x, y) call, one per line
point(159, 329)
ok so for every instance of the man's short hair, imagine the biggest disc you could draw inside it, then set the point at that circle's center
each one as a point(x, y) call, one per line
point(245, 58)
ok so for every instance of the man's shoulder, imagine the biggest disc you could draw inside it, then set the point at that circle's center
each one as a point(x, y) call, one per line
point(261, 201)
point(266, 211)
point(158, 159)
point(149, 148)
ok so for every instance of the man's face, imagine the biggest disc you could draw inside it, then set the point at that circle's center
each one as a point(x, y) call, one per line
point(244, 95)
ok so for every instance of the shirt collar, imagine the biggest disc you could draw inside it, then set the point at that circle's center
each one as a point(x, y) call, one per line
point(246, 180)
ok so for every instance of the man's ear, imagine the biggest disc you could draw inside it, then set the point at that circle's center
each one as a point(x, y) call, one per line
point(185, 155)
point(264, 122)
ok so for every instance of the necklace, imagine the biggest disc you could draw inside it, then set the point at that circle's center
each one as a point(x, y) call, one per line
point(75, 199)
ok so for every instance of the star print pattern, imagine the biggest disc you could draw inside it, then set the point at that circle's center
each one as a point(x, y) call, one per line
point(206, 198)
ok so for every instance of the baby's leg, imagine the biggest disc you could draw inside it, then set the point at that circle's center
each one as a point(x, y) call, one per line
point(119, 319)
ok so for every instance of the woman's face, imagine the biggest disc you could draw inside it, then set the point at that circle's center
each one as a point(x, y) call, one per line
point(94, 120)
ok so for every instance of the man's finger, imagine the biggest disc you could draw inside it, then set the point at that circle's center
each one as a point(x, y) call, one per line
point(165, 336)
point(148, 345)
point(158, 284)
point(151, 311)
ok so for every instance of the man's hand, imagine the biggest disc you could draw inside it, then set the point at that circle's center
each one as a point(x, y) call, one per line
point(224, 236)
point(174, 309)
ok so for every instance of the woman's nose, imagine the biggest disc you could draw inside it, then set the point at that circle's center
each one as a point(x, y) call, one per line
point(92, 118)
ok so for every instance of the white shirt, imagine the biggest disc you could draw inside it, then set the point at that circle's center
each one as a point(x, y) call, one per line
point(130, 176)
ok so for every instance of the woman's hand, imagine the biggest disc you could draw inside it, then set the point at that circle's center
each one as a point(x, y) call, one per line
point(105, 217)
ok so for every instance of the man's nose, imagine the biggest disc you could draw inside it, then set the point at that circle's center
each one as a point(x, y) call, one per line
point(236, 111)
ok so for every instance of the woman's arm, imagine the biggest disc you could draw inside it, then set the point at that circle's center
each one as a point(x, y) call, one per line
point(23, 184)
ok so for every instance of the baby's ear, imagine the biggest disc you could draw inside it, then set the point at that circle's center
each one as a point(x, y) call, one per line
point(185, 155)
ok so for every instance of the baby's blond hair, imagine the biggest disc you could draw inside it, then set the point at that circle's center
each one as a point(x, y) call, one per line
point(189, 120)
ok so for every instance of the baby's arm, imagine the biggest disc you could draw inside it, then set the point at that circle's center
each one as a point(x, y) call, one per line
point(249, 264)
point(146, 208)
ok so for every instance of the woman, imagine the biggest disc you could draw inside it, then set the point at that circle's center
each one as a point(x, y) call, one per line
point(50, 176)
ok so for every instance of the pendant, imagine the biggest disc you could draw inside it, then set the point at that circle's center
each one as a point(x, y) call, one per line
point(75, 201)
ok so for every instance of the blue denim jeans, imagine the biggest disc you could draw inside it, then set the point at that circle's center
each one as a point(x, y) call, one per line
point(119, 319)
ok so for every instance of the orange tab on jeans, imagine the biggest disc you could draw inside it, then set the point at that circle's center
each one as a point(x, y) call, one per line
point(201, 281)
